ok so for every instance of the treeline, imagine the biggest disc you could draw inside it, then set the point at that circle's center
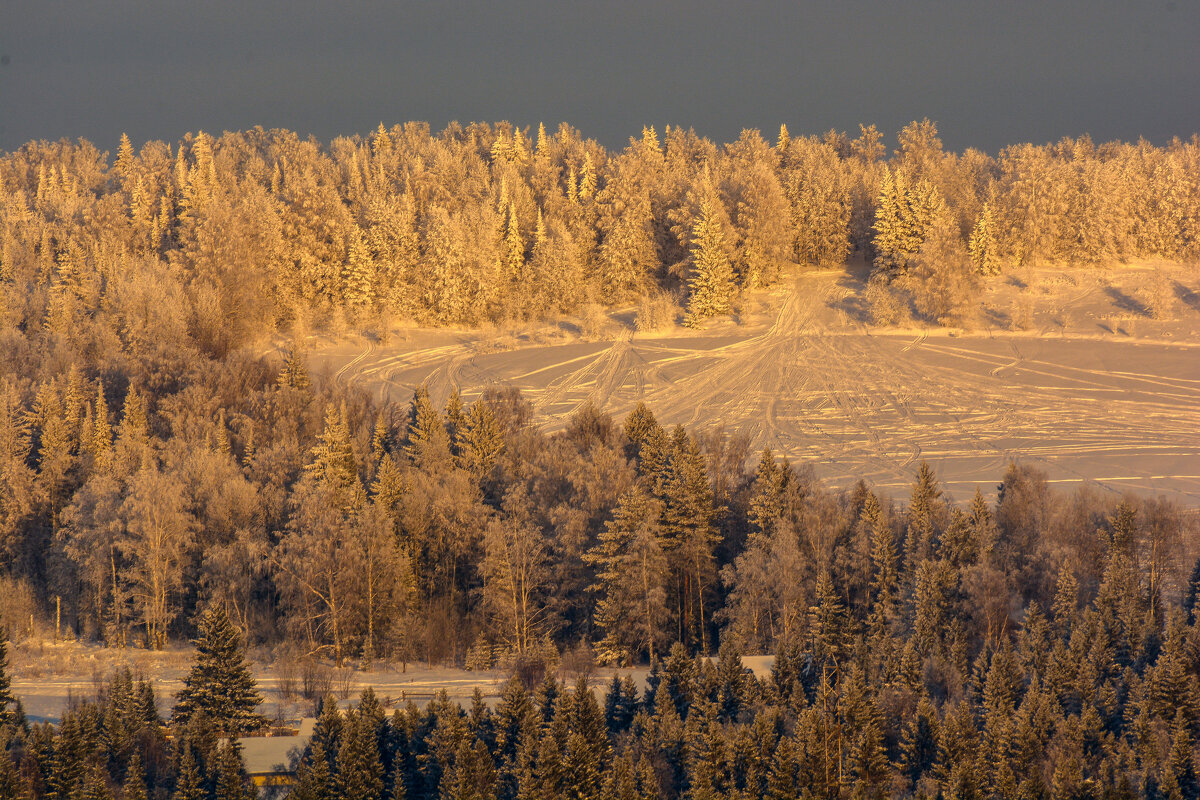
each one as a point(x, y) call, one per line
point(1096, 695)
point(218, 241)
point(465, 533)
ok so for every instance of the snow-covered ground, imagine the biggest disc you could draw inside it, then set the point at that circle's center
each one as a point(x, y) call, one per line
point(46, 676)
point(1066, 370)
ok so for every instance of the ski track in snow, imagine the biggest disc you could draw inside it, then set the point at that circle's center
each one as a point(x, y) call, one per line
point(857, 403)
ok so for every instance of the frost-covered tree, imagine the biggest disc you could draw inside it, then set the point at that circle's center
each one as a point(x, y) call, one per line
point(710, 286)
point(983, 245)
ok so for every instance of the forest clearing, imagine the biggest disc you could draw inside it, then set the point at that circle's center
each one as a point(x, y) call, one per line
point(1066, 370)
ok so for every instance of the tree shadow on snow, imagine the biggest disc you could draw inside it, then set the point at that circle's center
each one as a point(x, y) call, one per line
point(1125, 302)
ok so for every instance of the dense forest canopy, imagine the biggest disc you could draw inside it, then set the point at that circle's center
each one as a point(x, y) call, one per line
point(152, 464)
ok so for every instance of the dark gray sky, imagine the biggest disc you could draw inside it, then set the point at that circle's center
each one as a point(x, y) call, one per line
point(990, 73)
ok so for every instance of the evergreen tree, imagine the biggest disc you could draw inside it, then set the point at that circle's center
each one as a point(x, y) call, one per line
point(358, 275)
point(690, 535)
point(189, 782)
point(514, 250)
point(314, 780)
point(95, 786)
point(982, 245)
point(134, 787)
point(333, 464)
point(123, 166)
point(295, 372)
point(428, 442)
point(232, 781)
point(359, 768)
point(219, 684)
point(923, 512)
point(481, 442)
point(6, 695)
point(630, 580)
point(711, 284)
point(885, 573)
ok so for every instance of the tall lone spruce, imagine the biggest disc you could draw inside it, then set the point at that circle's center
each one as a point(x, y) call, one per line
point(220, 685)
point(6, 695)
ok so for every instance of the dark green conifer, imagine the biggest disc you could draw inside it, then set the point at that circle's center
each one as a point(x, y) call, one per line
point(923, 509)
point(6, 695)
point(232, 782)
point(314, 780)
point(189, 782)
point(219, 685)
point(10, 781)
point(359, 767)
point(134, 787)
point(95, 786)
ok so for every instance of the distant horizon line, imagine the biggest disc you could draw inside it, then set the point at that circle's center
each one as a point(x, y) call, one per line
point(530, 130)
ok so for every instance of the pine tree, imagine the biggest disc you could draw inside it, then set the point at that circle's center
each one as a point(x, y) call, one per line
point(587, 179)
point(711, 285)
point(514, 249)
point(10, 781)
point(134, 787)
point(630, 577)
point(6, 695)
point(95, 786)
point(133, 428)
point(1066, 603)
point(982, 245)
point(219, 684)
point(885, 573)
point(295, 372)
point(314, 780)
point(923, 512)
point(232, 781)
point(333, 464)
point(689, 534)
point(124, 163)
point(428, 442)
point(359, 768)
point(481, 441)
point(638, 426)
point(189, 783)
point(358, 274)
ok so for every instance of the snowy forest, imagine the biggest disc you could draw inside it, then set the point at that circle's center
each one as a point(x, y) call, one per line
point(159, 456)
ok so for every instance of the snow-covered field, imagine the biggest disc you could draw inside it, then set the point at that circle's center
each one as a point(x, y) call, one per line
point(1066, 370)
point(46, 676)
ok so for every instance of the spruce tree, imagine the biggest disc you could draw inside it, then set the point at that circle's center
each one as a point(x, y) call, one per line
point(134, 787)
point(189, 783)
point(10, 781)
point(481, 441)
point(428, 442)
point(630, 580)
point(923, 513)
point(359, 768)
point(711, 285)
point(514, 250)
point(295, 372)
point(6, 695)
point(232, 782)
point(333, 464)
point(358, 275)
point(638, 426)
point(219, 685)
point(95, 786)
point(983, 245)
